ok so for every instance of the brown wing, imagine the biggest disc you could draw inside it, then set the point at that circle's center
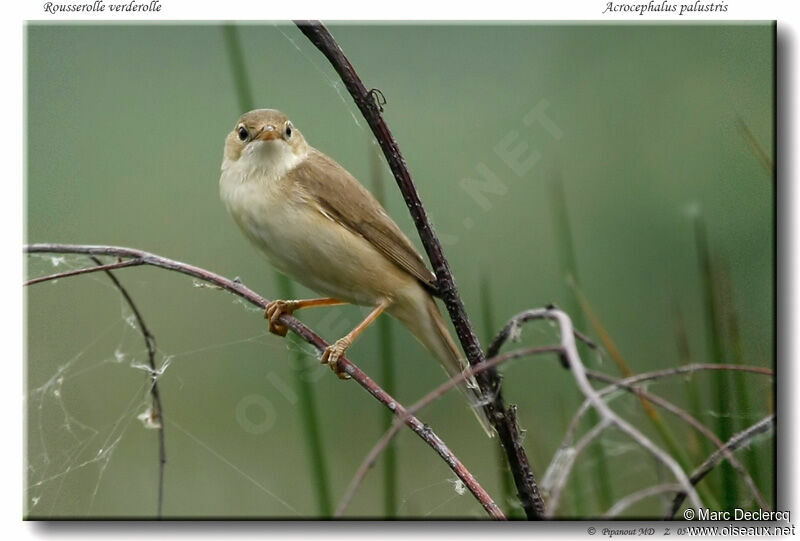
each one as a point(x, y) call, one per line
point(328, 182)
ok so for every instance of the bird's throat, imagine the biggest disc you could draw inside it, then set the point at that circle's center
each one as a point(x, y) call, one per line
point(265, 162)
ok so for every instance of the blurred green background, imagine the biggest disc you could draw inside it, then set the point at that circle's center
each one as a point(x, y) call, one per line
point(125, 126)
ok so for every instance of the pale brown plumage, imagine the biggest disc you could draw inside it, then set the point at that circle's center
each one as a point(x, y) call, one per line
point(359, 212)
point(318, 224)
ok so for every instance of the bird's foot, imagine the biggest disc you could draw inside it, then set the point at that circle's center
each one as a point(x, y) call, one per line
point(274, 310)
point(332, 354)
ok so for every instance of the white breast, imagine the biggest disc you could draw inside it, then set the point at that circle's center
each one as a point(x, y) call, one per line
point(300, 239)
point(253, 192)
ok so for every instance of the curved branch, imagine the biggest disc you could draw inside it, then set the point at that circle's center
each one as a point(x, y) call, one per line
point(515, 323)
point(501, 417)
point(157, 412)
point(381, 445)
point(423, 431)
point(77, 272)
point(571, 356)
point(697, 425)
point(623, 503)
point(628, 385)
point(738, 440)
point(556, 479)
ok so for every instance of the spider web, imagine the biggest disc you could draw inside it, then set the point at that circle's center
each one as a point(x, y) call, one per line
point(70, 446)
point(66, 446)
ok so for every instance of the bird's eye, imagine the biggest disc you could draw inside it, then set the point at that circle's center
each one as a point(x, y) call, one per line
point(242, 133)
point(288, 130)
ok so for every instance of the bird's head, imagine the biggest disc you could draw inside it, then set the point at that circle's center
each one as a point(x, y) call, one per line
point(265, 138)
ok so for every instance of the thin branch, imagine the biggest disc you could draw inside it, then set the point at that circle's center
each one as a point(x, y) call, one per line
point(688, 368)
point(656, 374)
point(561, 473)
point(423, 431)
point(737, 441)
point(383, 443)
point(77, 272)
point(515, 323)
point(570, 354)
point(489, 381)
point(700, 427)
point(157, 412)
point(631, 499)
point(627, 385)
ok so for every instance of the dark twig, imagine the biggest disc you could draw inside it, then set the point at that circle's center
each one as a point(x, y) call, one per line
point(157, 411)
point(515, 323)
point(738, 440)
point(423, 431)
point(500, 416)
point(508, 490)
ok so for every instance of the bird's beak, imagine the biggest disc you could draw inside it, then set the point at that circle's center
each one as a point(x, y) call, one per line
point(268, 133)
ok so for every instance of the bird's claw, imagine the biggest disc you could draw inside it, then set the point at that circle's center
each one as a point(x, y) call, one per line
point(333, 353)
point(274, 310)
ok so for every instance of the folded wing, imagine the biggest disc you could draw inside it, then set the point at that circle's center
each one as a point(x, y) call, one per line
point(327, 181)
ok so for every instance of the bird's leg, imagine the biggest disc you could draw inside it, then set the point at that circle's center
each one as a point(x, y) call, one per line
point(275, 309)
point(337, 349)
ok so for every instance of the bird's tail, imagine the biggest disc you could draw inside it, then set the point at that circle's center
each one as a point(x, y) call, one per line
point(421, 315)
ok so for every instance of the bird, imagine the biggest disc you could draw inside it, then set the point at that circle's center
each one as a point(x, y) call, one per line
point(320, 226)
